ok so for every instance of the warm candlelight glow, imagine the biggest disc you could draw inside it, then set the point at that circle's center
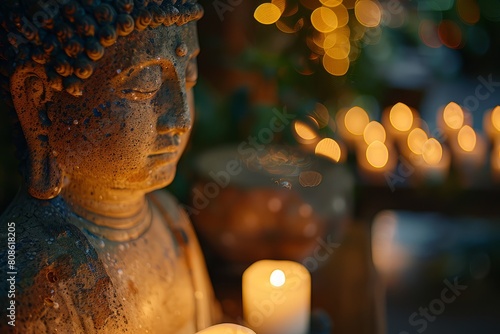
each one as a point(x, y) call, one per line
point(277, 297)
point(416, 140)
point(377, 154)
point(356, 119)
point(374, 131)
point(495, 118)
point(281, 4)
point(342, 14)
point(329, 148)
point(495, 162)
point(277, 278)
point(324, 19)
point(453, 116)
point(340, 48)
point(337, 67)
point(388, 256)
point(368, 13)
point(432, 151)
point(226, 329)
point(304, 131)
point(267, 13)
point(321, 115)
point(401, 117)
point(331, 3)
point(467, 138)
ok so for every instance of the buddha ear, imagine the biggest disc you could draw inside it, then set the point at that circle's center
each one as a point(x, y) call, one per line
point(31, 91)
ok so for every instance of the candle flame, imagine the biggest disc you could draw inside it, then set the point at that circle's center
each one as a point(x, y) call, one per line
point(401, 117)
point(495, 118)
point(467, 138)
point(356, 119)
point(377, 154)
point(328, 148)
point(304, 131)
point(277, 278)
point(267, 13)
point(453, 116)
point(416, 140)
point(432, 151)
point(374, 131)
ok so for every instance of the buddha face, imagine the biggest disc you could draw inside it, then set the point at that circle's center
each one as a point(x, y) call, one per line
point(130, 126)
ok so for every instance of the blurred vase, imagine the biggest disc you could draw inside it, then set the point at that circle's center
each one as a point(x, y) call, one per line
point(278, 203)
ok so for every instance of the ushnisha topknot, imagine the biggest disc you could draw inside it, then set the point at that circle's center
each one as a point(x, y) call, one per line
point(69, 36)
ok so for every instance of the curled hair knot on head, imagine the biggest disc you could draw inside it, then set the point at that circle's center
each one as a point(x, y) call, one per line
point(69, 40)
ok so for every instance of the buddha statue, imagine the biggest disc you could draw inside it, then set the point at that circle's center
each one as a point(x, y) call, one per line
point(101, 93)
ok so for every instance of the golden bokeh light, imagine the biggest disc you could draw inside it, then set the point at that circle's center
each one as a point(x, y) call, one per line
point(267, 13)
point(495, 118)
point(284, 27)
point(337, 67)
point(281, 4)
point(341, 47)
point(377, 154)
point(416, 139)
point(368, 13)
point(401, 117)
point(342, 15)
point(495, 159)
point(328, 148)
point(355, 120)
point(432, 152)
point(374, 131)
point(313, 120)
point(453, 116)
point(324, 19)
point(330, 40)
point(467, 138)
point(331, 3)
point(304, 131)
point(319, 38)
point(321, 115)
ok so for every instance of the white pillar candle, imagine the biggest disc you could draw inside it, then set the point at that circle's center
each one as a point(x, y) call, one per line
point(277, 297)
point(226, 329)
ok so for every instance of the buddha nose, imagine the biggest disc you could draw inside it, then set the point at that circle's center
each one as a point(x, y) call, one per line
point(177, 118)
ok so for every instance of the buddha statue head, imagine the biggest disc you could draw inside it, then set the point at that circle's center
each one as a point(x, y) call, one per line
point(102, 93)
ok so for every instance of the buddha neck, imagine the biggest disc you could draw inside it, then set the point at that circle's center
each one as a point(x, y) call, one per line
point(110, 208)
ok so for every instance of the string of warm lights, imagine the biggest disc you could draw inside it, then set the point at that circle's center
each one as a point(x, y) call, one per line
point(331, 36)
point(337, 30)
point(379, 146)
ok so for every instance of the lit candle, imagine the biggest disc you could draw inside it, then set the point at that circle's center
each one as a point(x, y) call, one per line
point(452, 118)
point(435, 161)
point(351, 124)
point(376, 161)
point(331, 149)
point(226, 329)
point(491, 123)
point(277, 297)
point(469, 148)
point(399, 120)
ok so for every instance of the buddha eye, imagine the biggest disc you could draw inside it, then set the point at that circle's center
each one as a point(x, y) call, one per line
point(142, 83)
point(191, 73)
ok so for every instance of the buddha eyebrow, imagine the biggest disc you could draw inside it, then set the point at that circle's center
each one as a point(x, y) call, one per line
point(123, 75)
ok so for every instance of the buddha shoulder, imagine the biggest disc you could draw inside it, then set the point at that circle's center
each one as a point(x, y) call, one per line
point(59, 280)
